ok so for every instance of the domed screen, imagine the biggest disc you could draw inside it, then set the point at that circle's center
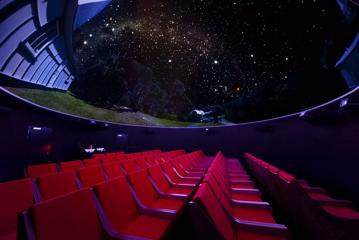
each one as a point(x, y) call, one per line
point(194, 63)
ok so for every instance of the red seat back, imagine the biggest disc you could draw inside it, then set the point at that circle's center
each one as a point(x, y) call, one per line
point(91, 176)
point(143, 187)
point(57, 184)
point(113, 170)
point(167, 167)
point(206, 198)
point(71, 165)
point(69, 217)
point(117, 202)
point(159, 178)
point(92, 162)
point(130, 166)
point(15, 197)
point(43, 169)
point(141, 162)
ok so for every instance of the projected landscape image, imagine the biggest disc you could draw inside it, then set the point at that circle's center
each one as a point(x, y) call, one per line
point(193, 63)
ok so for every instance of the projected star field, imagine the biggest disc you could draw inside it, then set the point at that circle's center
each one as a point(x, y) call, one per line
point(213, 51)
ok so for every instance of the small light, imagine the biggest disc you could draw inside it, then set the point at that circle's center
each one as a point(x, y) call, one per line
point(344, 102)
point(206, 129)
point(85, 42)
point(170, 60)
point(113, 29)
point(302, 114)
point(37, 128)
point(90, 35)
point(216, 62)
point(119, 135)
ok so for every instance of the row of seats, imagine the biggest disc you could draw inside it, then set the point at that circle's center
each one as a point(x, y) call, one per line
point(131, 160)
point(158, 191)
point(317, 214)
point(227, 206)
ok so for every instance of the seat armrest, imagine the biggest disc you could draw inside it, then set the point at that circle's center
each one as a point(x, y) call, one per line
point(246, 191)
point(179, 185)
point(260, 227)
point(175, 196)
point(252, 204)
point(191, 178)
point(161, 213)
point(184, 185)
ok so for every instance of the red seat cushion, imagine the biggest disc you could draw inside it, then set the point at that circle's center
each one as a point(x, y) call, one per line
point(43, 169)
point(252, 214)
point(16, 196)
point(182, 191)
point(239, 178)
point(165, 203)
point(342, 212)
point(246, 197)
point(69, 217)
point(148, 227)
point(57, 184)
point(242, 185)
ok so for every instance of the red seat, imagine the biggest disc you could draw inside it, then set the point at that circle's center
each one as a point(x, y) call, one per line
point(250, 211)
point(341, 212)
point(319, 215)
point(167, 168)
point(130, 166)
point(141, 162)
point(113, 170)
point(121, 210)
point(71, 217)
point(91, 176)
point(57, 184)
point(15, 197)
point(43, 169)
point(109, 160)
point(148, 195)
point(162, 183)
point(152, 160)
point(92, 162)
point(71, 165)
point(182, 172)
point(205, 202)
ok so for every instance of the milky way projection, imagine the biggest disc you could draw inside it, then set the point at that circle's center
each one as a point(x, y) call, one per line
point(169, 57)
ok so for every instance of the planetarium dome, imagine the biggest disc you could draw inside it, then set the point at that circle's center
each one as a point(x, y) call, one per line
point(178, 63)
point(179, 119)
